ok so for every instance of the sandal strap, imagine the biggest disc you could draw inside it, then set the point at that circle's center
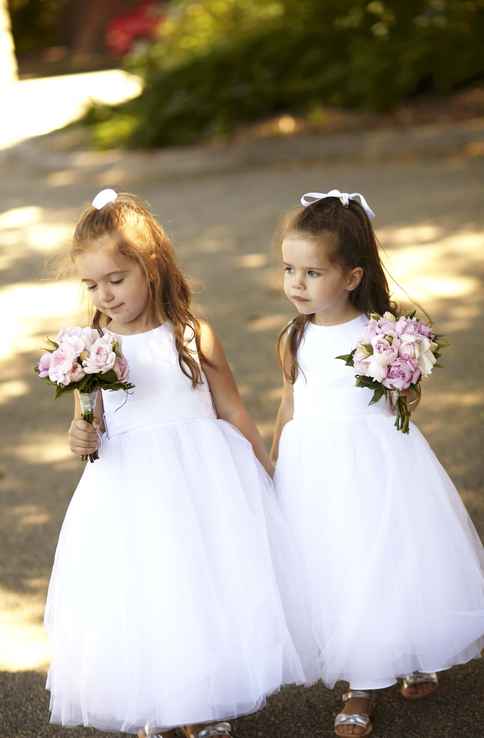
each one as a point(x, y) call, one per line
point(419, 677)
point(217, 729)
point(357, 694)
point(361, 721)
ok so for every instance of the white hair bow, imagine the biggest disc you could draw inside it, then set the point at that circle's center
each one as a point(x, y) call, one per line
point(344, 197)
point(103, 198)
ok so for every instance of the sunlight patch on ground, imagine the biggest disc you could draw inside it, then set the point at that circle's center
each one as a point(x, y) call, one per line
point(252, 261)
point(20, 217)
point(46, 449)
point(30, 307)
point(12, 390)
point(28, 516)
point(23, 641)
point(33, 107)
point(31, 229)
point(430, 266)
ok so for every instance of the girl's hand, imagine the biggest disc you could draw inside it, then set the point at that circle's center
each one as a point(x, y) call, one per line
point(83, 438)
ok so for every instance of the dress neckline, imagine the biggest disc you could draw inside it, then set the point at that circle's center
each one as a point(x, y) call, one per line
point(140, 333)
point(338, 325)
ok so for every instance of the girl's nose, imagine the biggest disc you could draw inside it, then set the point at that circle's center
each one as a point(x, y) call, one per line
point(298, 283)
point(106, 295)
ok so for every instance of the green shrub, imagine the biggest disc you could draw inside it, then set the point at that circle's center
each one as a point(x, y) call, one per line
point(221, 63)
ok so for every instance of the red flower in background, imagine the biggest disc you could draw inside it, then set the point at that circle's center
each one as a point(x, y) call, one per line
point(140, 22)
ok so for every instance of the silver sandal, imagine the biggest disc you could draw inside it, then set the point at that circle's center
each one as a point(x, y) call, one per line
point(357, 719)
point(417, 678)
point(217, 729)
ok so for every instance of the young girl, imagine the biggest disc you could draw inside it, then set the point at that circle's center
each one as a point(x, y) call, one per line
point(392, 566)
point(163, 609)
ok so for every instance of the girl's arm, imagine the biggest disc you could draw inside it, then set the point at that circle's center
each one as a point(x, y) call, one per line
point(286, 408)
point(225, 394)
point(283, 416)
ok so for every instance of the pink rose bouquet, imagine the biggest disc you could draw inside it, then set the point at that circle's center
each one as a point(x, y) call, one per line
point(83, 359)
point(393, 356)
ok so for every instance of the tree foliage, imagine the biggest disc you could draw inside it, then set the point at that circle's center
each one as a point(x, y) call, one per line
point(221, 63)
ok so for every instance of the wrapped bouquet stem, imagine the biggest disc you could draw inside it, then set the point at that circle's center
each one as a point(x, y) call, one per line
point(87, 402)
point(392, 358)
point(88, 361)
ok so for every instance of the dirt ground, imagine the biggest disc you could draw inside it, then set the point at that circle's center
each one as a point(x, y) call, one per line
point(431, 223)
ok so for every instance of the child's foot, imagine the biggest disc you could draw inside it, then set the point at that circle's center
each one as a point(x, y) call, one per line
point(354, 720)
point(419, 684)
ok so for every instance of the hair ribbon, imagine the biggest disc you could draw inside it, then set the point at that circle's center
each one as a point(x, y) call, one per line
point(103, 198)
point(344, 197)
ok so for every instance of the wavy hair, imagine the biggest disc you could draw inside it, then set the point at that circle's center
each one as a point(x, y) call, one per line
point(140, 237)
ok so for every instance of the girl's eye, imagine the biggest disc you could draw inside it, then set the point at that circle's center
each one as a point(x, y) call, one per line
point(117, 281)
point(91, 287)
point(313, 274)
point(287, 269)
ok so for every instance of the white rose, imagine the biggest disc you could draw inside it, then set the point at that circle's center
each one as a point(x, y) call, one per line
point(378, 367)
point(425, 362)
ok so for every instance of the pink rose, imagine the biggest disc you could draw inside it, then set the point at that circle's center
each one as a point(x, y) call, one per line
point(408, 347)
point(101, 358)
point(121, 368)
point(401, 374)
point(384, 346)
point(411, 328)
point(401, 325)
point(44, 364)
point(371, 330)
point(425, 330)
point(75, 342)
point(61, 363)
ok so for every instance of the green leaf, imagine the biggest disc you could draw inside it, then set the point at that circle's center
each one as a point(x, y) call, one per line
point(377, 395)
point(347, 358)
point(368, 382)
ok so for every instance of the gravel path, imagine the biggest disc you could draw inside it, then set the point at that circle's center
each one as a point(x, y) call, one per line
point(431, 224)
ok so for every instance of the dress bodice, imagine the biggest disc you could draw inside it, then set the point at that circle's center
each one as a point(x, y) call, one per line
point(162, 394)
point(325, 385)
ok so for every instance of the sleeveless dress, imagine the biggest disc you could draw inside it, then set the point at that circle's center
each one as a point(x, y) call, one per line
point(163, 605)
point(393, 568)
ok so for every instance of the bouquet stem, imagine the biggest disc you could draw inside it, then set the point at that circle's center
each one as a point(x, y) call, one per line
point(402, 420)
point(88, 405)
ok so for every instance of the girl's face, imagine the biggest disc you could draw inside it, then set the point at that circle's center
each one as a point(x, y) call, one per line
point(314, 283)
point(117, 286)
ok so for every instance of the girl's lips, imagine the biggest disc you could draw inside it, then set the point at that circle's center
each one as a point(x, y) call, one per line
point(113, 309)
point(300, 299)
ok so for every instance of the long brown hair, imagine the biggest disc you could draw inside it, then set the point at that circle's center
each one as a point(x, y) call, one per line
point(139, 236)
point(355, 245)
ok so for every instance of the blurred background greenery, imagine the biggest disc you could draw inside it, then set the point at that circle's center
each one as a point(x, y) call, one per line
point(211, 66)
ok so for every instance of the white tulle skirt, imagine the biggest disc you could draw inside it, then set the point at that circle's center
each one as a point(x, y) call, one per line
point(163, 605)
point(393, 568)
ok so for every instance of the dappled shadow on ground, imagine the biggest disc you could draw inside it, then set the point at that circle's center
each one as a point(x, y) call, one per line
point(296, 711)
point(430, 222)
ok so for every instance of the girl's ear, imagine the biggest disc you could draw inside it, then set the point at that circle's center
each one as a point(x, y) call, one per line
point(354, 278)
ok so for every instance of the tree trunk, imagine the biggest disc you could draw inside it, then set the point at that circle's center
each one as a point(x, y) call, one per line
point(8, 61)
